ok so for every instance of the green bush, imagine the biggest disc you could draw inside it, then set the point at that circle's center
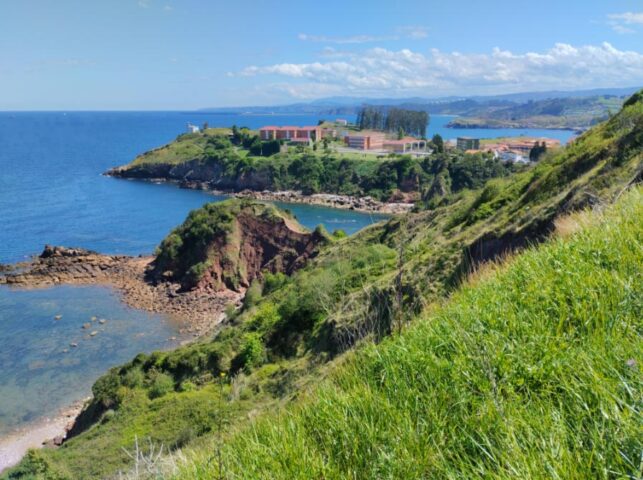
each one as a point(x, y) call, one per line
point(252, 352)
point(160, 384)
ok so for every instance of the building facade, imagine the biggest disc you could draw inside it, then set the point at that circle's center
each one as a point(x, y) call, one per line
point(468, 143)
point(365, 142)
point(299, 134)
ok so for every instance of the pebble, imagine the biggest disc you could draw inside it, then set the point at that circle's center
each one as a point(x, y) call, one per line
point(73, 344)
point(102, 321)
point(93, 334)
point(65, 350)
point(58, 317)
point(87, 325)
point(93, 319)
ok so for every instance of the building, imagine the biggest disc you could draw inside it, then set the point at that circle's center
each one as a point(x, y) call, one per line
point(192, 128)
point(406, 144)
point(522, 145)
point(341, 121)
point(370, 141)
point(295, 134)
point(468, 143)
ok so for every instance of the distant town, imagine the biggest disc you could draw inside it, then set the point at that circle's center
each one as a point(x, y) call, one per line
point(344, 137)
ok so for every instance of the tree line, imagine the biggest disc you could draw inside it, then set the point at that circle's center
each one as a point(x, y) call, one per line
point(409, 122)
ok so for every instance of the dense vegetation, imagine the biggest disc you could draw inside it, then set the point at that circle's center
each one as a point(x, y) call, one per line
point(411, 122)
point(529, 371)
point(224, 160)
point(524, 372)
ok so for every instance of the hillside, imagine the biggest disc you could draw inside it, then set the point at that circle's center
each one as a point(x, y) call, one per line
point(529, 371)
point(570, 113)
point(506, 378)
point(216, 160)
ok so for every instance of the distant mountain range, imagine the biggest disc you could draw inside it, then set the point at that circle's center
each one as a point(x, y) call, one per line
point(575, 110)
point(451, 104)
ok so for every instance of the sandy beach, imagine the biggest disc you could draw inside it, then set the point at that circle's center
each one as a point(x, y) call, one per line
point(16, 444)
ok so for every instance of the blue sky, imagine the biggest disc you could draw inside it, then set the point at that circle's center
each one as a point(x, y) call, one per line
point(185, 54)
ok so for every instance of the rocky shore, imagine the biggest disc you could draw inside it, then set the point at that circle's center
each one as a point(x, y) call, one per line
point(198, 312)
point(346, 202)
point(362, 204)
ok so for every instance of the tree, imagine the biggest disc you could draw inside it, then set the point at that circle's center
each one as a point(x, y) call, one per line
point(438, 142)
point(537, 151)
point(400, 133)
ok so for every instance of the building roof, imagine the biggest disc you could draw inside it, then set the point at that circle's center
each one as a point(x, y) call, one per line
point(403, 141)
point(272, 127)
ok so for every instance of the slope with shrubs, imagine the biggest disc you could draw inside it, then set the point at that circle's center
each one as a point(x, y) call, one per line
point(238, 160)
point(529, 371)
point(292, 331)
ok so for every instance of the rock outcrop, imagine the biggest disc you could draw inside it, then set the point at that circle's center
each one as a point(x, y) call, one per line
point(226, 245)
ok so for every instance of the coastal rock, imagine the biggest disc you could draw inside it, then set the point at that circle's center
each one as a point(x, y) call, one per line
point(242, 239)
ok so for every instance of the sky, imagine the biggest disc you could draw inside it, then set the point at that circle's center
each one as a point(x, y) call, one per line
point(189, 54)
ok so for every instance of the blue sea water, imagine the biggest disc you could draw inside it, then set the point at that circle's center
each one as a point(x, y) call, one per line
point(438, 124)
point(52, 191)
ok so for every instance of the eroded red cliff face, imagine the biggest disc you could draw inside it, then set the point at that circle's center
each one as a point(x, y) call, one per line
point(251, 243)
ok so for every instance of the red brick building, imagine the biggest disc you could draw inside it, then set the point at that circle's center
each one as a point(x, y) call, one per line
point(297, 134)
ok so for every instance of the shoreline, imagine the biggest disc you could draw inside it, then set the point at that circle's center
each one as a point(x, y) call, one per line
point(365, 204)
point(46, 432)
point(198, 312)
point(343, 202)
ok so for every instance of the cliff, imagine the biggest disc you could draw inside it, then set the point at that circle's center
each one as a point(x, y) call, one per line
point(226, 245)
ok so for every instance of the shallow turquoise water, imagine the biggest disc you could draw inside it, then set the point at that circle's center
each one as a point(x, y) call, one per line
point(37, 375)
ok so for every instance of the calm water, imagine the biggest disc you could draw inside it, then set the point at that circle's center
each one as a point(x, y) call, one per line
point(41, 371)
point(52, 191)
point(438, 124)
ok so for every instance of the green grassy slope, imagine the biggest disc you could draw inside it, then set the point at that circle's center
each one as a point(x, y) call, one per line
point(532, 371)
point(293, 330)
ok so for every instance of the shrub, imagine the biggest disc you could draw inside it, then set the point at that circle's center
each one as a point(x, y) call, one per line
point(252, 352)
point(161, 383)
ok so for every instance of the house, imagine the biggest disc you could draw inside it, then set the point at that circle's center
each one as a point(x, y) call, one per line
point(468, 143)
point(366, 141)
point(341, 121)
point(404, 145)
point(192, 128)
point(295, 134)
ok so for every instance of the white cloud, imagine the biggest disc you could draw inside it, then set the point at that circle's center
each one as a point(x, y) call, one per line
point(620, 21)
point(416, 32)
point(382, 71)
point(144, 3)
point(344, 40)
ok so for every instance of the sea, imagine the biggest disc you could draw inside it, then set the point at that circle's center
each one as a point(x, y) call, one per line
point(52, 191)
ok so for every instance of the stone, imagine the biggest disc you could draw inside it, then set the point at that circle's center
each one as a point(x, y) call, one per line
point(58, 317)
point(102, 321)
point(93, 334)
point(73, 344)
point(87, 325)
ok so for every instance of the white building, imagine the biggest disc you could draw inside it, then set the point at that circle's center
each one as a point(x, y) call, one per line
point(193, 128)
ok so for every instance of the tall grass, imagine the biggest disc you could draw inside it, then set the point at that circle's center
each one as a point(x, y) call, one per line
point(531, 371)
